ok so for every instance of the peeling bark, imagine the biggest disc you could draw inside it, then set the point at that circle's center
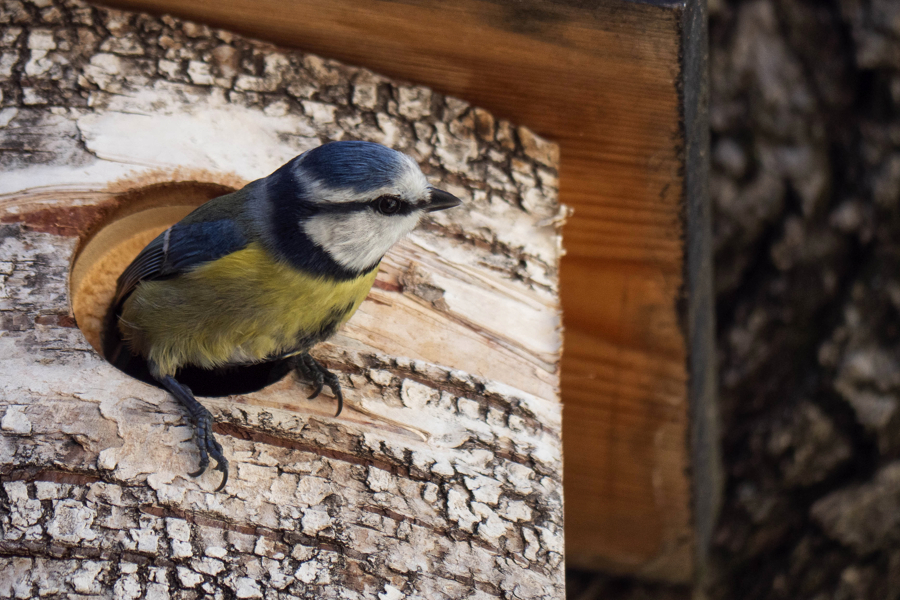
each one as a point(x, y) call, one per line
point(441, 479)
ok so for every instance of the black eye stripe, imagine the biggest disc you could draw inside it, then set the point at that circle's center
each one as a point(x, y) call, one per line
point(383, 205)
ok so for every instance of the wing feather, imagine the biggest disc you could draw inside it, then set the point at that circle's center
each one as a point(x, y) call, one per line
point(179, 249)
point(182, 247)
point(147, 264)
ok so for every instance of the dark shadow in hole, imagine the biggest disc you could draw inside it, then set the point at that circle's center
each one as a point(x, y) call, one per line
point(225, 381)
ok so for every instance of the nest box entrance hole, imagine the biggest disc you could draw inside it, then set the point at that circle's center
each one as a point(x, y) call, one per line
point(106, 250)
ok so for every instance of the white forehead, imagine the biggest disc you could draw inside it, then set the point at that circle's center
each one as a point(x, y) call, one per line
point(408, 182)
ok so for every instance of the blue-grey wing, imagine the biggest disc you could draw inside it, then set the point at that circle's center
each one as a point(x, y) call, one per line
point(178, 249)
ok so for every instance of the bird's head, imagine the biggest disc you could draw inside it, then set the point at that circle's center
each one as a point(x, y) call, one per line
point(352, 200)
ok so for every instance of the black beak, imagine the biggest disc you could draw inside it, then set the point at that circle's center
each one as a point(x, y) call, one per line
point(441, 200)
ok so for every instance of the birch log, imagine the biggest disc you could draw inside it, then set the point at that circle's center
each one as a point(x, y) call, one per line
point(441, 479)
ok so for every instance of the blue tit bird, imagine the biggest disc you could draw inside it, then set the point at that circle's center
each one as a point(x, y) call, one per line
point(266, 272)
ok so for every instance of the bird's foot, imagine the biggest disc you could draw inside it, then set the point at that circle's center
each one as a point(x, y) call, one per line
point(313, 371)
point(203, 433)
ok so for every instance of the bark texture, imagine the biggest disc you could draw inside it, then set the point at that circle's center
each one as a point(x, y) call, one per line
point(442, 479)
point(806, 183)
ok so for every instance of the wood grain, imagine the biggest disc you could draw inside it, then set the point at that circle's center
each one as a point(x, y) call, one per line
point(603, 81)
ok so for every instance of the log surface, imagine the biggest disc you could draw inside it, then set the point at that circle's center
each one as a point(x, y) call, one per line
point(607, 80)
point(442, 479)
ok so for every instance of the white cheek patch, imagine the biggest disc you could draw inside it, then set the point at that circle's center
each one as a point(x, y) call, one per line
point(358, 240)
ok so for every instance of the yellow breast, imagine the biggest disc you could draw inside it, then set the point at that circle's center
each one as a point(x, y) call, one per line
point(244, 307)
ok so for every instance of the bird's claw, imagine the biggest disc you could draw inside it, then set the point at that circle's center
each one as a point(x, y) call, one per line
point(204, 437)
point(208, 446)
point(320, 384)
point(332, 381)
point(313, 371)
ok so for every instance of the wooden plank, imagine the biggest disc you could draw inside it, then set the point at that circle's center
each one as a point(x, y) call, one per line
point(604, 82)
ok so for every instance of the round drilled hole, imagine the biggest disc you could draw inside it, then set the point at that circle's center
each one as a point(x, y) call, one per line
point(107, 250)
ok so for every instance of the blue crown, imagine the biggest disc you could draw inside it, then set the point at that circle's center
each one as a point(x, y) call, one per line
point(362, 166)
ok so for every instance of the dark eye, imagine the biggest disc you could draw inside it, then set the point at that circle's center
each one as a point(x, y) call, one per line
point(388, 205)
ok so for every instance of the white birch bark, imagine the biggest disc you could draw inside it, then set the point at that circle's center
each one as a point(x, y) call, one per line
point(441, 479)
